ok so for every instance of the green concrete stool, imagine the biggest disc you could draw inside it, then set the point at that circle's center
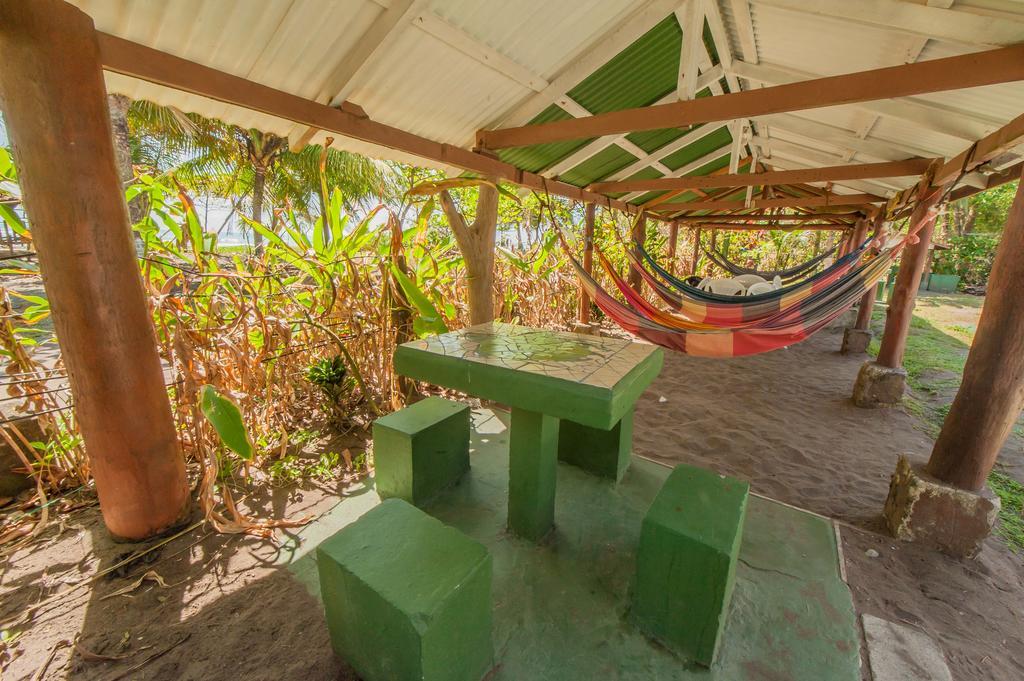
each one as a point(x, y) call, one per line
point(686, 561)
point(407, 598)
point(605, 453)
point(421, 450)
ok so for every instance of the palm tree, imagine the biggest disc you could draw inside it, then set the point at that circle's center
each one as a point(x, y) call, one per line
point(209, 156)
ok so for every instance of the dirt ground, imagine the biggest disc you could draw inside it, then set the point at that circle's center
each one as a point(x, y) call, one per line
point(783, 421)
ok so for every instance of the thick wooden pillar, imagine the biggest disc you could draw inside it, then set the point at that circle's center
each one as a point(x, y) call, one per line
point(639, 238)
point(901, 306)
point(696, 251)
point(992, 392)
point(673, 239)
point(588, 258)
point(867, 302)
point(53, 96)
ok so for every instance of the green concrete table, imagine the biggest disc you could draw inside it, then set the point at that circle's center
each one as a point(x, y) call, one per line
point(545, 377)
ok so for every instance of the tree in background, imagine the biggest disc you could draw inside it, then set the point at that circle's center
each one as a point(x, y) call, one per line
point(983, 212)
point(244, 164)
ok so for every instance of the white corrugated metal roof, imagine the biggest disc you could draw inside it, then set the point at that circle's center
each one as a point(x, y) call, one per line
point(450, 67)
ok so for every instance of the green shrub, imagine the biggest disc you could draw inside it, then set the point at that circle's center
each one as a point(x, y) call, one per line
point(970, 256)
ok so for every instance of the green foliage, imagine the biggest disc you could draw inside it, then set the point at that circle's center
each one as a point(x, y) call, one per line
point(226, 419)
point(429, 320)
point(331, 376)
point(212, 157)
point(327, 372)
point(991, 207)
point(1011, 515)
point(970, 256)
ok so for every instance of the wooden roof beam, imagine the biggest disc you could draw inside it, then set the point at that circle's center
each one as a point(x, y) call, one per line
point(824, 226)
point(936, 75)
point(978, 154)
point(139, 61)
point(809, 217)
point(835, 200)
point(827, 174)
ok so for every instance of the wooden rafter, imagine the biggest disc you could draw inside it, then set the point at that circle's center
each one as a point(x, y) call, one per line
point(836, 200)
point(963, 125)
point(822, 226)
point(978, 154)
point(826, 174)
point(377, 38)
point(139, 61)
point(731, 217)
point(936, 75)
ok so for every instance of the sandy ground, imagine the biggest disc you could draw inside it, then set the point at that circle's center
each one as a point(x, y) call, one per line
point(783, 421)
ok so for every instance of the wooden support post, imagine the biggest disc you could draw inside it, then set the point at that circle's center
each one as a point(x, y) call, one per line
point(991, 394)
point(901, 309)
point(867, 303)
point(673, 238)
point(55, 103)
point(588, 258)
point(639, 238)
point(696, 251)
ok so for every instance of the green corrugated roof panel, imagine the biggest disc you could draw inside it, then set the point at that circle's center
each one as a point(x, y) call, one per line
point(640, 75)
point(650, 140)
point(709, 42)
point(602, 164)
point(539, 156)
point(702, 147)
point(645, 174)
point(712, 166)
point(644, 198)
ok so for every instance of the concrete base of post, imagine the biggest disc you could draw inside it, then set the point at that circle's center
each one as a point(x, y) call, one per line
point(591, 329)
point(855, 341)
point(922, 509)
point(879, 386)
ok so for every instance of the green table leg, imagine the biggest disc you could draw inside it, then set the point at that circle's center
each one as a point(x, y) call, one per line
point(533, 465)
point(601, 452)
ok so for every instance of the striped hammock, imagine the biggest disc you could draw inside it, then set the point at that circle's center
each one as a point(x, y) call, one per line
point(742, 326)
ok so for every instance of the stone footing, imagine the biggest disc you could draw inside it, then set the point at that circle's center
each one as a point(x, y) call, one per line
point(879, 386)
point(855, 341)
point(591, 329)
point(922, 509)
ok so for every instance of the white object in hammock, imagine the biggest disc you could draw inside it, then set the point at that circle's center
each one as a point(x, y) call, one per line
point(749, 279)
point(760, 287)
point(722, 287)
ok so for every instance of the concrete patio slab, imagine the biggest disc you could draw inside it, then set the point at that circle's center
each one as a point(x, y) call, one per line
point(561, 608)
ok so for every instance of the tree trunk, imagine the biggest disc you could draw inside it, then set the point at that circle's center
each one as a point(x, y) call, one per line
point(476, 241)
point(992, 392)
point(639, 238)
point(588, 259)
point(259, 183)
point(56, 104)
point(118, 105)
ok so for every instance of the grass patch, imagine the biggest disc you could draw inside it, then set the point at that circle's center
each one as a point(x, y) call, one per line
point(1011, 520)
